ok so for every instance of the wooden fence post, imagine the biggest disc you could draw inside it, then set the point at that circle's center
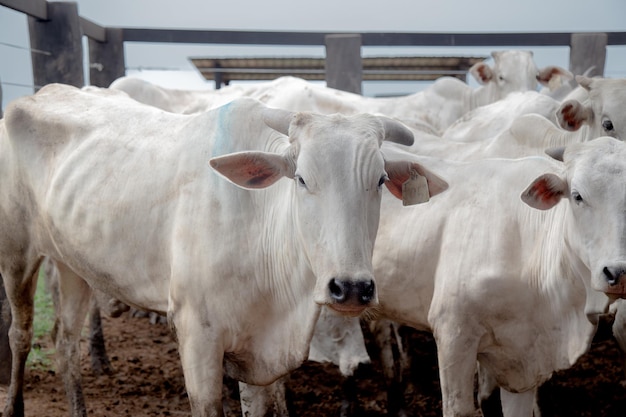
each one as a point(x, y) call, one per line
point(588, 50)
point(61, 38)
point(106, 59)
point(344, 65)
point(5, 349)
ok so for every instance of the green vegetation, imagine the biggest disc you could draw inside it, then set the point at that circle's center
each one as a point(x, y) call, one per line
point(40, 355)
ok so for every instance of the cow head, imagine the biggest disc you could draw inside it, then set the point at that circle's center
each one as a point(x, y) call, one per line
point(337, 172)
point(512, 71)
point(603, 111)
point(593, 183)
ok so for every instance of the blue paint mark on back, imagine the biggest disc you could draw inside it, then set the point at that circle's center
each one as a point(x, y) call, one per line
point(223, 141)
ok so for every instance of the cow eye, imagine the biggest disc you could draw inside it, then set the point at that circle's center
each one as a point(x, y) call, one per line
point(300, 181)
point(577, 197)
point(607, 125)
point(382, 180)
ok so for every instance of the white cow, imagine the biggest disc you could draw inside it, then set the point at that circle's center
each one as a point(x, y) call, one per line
point(563, 87)
point(512, 71)
point(436, 107)
point(120, 196)
point(602, 112)
point(488, 121)
point(177, 100)
point(347, 348)
point(529, 134)
point(498, 281)
point(595, 105)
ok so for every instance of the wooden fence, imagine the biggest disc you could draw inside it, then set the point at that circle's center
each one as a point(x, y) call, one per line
point(57, 27)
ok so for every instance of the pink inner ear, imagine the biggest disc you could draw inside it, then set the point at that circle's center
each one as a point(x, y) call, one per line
point(484, 73)
point(569, 114)
point(394, 185)
point(398, 173)
point(258, 174)
point(546, 75)
point(545, 193)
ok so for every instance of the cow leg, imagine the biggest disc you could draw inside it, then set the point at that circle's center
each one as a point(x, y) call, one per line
point(518, 404)
point(394, 360)
point(619, 332)
point(5, 349)
point(75, 297)
point(69, 294)
point(202, 355)
point(20, 283)
point(99, 360)
point(349, 404)
point(488, 394)
point(456, 354)
point(100, 363)
point(50, 275)
point(264, 401)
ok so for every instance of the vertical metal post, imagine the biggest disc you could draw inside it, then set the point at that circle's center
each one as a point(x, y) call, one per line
point(61, 38)
point(106, 59)
point(344, 66)
point(217, 76)
point(588, 50)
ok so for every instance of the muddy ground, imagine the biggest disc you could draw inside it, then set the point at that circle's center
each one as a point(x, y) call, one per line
point(147, 381)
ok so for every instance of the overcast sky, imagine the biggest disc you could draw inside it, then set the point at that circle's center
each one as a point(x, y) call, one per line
point(321, 15)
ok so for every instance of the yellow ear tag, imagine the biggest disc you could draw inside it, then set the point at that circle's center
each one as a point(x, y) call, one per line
point(415, 190)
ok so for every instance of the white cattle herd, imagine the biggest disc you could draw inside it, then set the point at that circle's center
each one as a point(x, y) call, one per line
point(267, 220)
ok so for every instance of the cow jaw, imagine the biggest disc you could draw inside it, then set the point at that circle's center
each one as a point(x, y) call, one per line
point(348, 311)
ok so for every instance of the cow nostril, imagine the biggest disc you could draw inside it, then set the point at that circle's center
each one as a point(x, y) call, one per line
point(610, 278)
point(366, 292)
point(337, 290)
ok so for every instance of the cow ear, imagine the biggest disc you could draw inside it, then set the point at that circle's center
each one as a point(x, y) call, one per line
point(571, 115)
point(481, 72)
point(252, 169)
point(547, 76)
point(399, 172)
point(545, 192)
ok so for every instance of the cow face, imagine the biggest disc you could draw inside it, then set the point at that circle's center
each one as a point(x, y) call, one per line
point(512, 71)
point(338, 173)
point(603, 112)
point(338, 180)
point(595, 226)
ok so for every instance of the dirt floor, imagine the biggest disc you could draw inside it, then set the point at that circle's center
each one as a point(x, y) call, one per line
point(147, 381)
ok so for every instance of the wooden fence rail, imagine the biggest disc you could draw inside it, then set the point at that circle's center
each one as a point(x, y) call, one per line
point(107, 43)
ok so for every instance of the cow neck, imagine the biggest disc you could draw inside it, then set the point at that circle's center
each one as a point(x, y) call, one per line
point(562, 281)
point(472, 99)
point(562, 275)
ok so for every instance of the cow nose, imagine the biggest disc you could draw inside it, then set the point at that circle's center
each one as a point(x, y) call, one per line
point(613, 274)
point(348, 292)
